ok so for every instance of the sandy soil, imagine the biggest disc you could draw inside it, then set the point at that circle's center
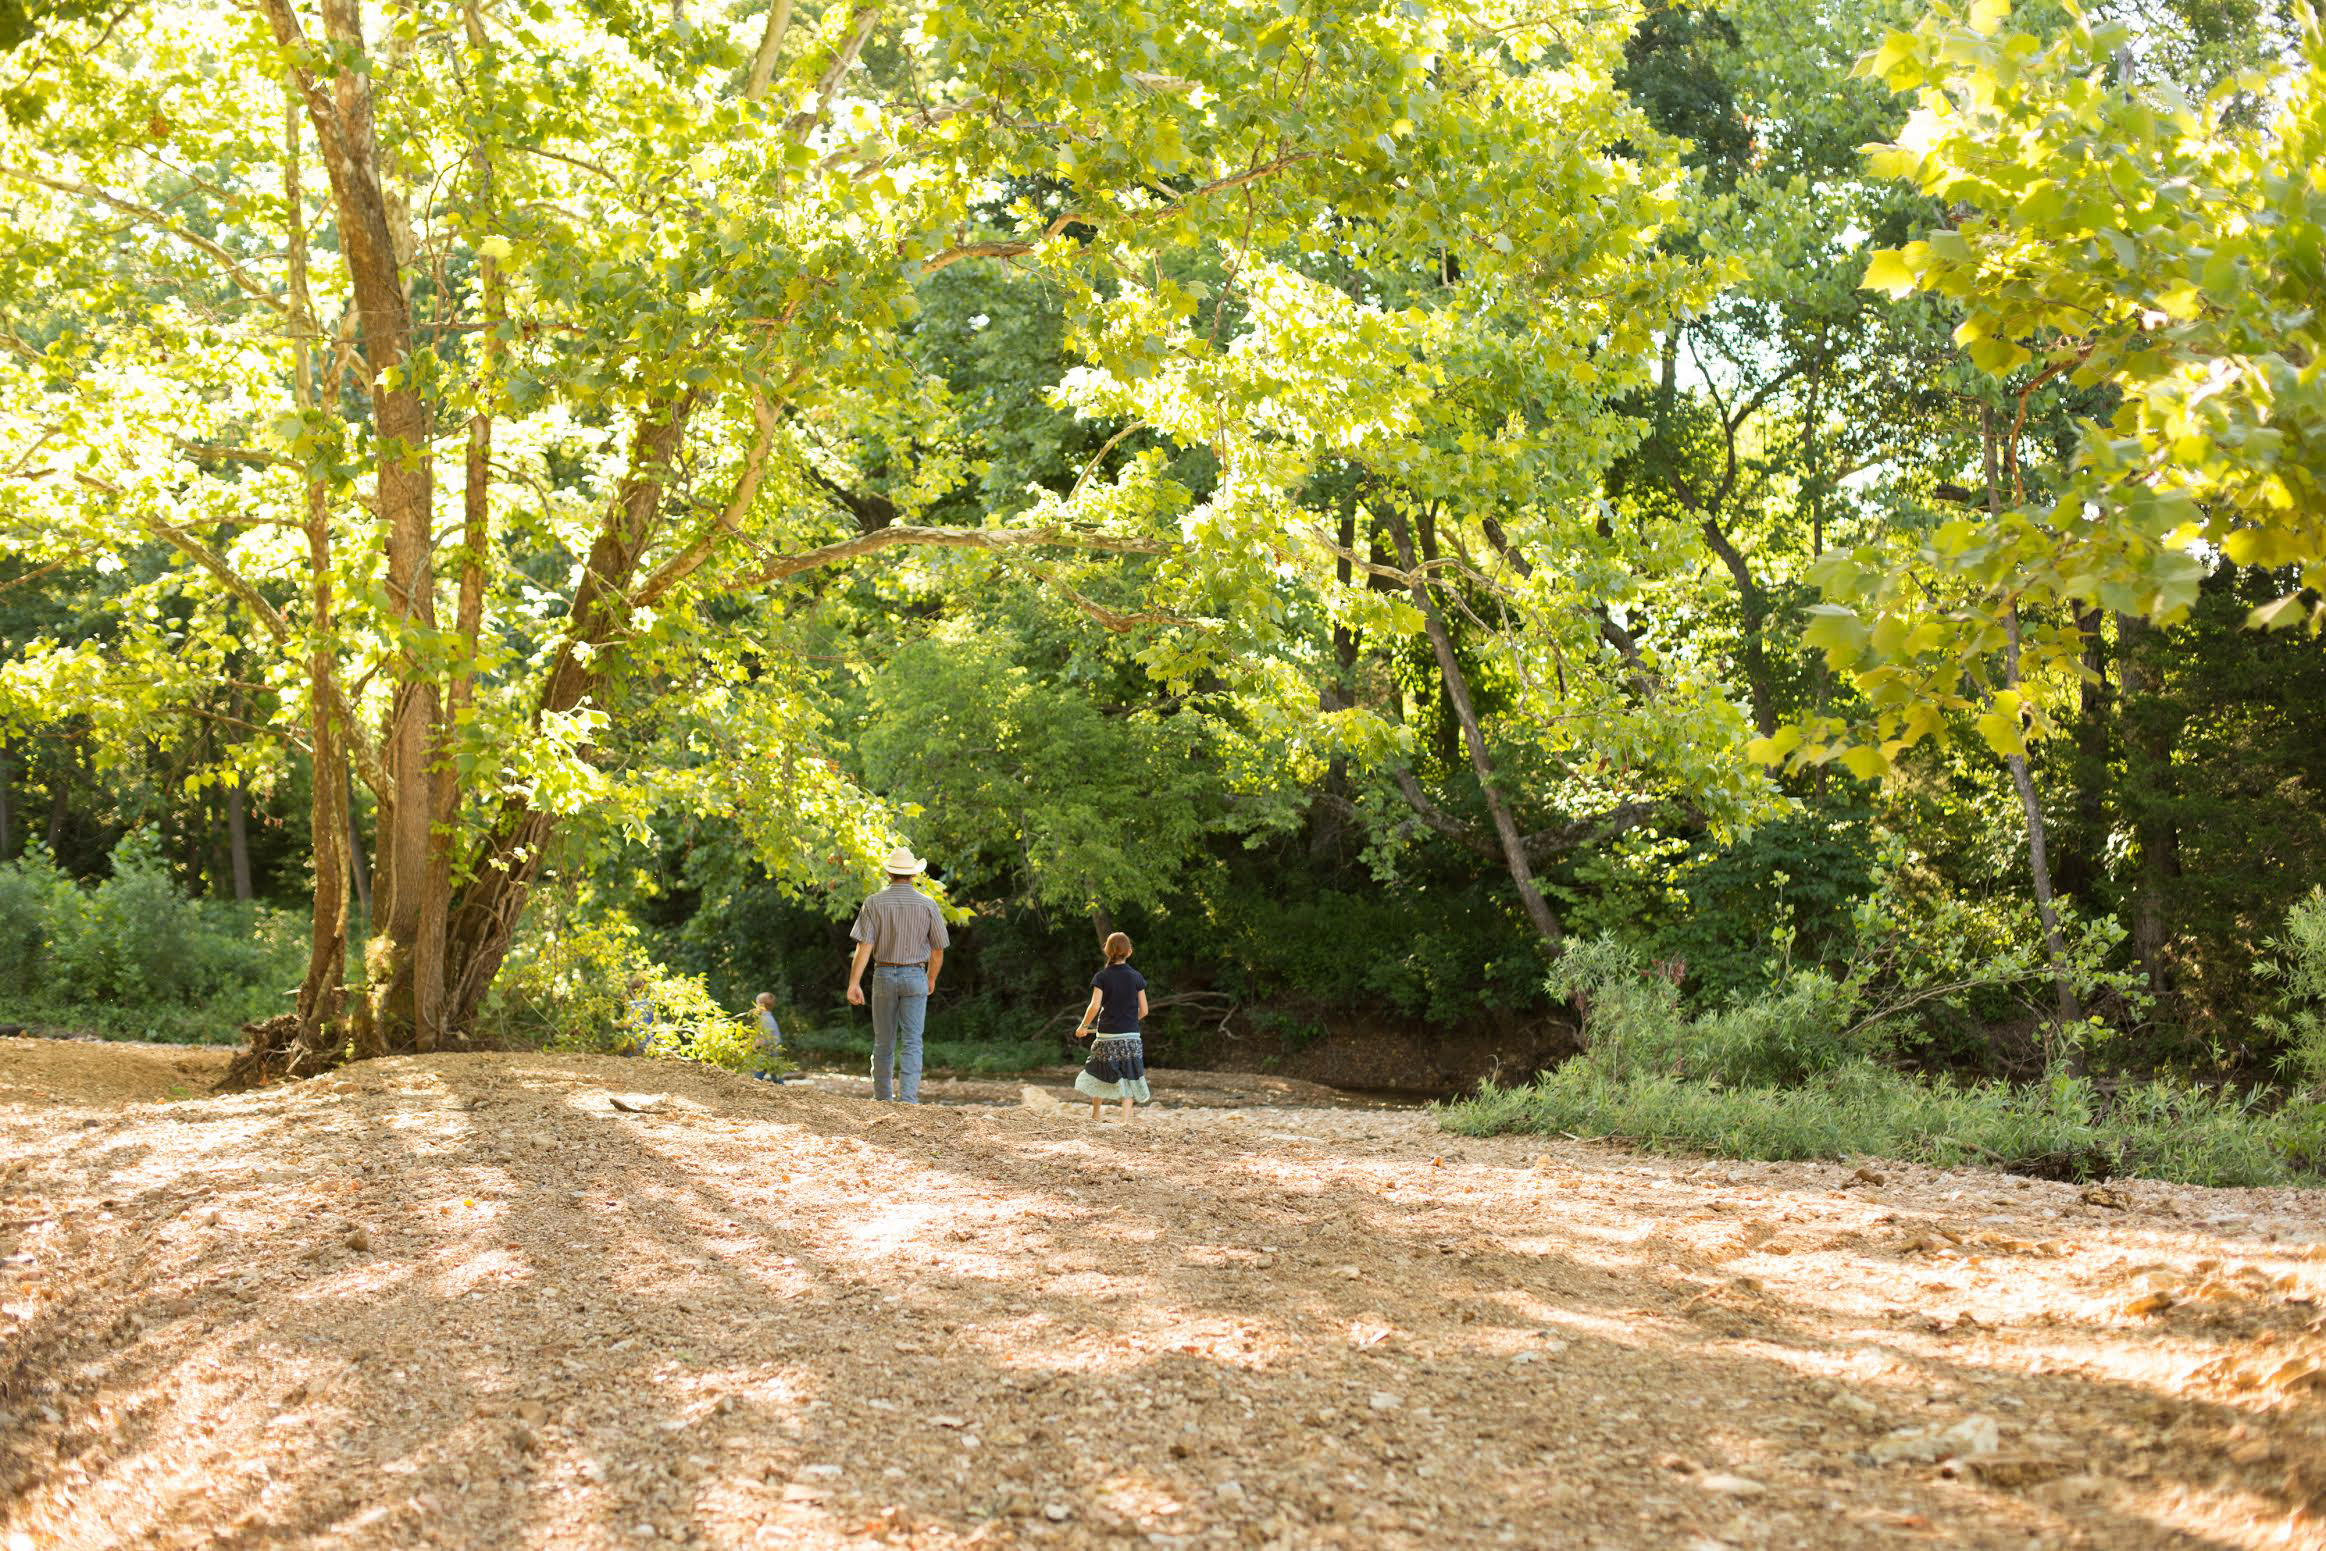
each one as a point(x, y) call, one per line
point(472, 1301)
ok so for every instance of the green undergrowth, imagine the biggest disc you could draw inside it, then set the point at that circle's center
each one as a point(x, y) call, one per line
point(580, 978)
point(132, 958)
point(847, 1045)
point(2061, 1128)
point(1803, 1072)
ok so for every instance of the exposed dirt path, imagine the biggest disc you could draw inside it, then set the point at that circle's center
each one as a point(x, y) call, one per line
point(468, 1301)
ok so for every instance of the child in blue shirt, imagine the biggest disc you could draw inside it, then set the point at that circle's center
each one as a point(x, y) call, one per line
point(1117, 1068)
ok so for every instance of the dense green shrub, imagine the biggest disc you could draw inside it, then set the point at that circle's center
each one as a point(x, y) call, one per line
point(132, 955)
point(2297, 962)
point(583, 979)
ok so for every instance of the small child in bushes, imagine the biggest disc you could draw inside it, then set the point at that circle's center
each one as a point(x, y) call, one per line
point(1117, 1068)
point(770, 1042)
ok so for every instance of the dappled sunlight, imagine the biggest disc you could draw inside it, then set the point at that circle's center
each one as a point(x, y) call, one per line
point(486, 1306)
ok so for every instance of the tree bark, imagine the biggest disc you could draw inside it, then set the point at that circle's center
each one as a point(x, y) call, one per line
point(508, 858)
point(1328, 823)
point(405, 1006)
point(7, 802)
point(238, 841)
point(1753, 608)
point(60, 800)
point(2083, 863)
point(359, 873)
point(2148, 796)
point(1538, 909)
point(322, 998)
point(2039, 867)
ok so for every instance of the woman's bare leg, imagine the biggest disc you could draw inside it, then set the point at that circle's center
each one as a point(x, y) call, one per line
point(1126, 1108)
point(1095, 1107)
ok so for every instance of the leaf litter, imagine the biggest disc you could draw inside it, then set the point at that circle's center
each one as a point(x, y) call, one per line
point(473, 1301)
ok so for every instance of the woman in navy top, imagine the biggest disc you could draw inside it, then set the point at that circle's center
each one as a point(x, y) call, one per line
point(1117, 1068)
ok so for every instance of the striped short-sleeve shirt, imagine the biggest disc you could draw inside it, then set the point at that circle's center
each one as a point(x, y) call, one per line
point(902, 924)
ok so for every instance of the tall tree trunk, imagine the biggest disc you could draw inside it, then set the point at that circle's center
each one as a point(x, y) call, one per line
point(506, 860)
point(1754, 610)
point(1538, 909)
point(359, 873)
point(2023, 781)
point(61, 769)
point(404, 1007)
point(322, 999)
point(1328, 824)
point(2039, 867)
point(7, 802)
point(2082, 864)
point(238, 841)
point(2147, 800)
point(331, 835)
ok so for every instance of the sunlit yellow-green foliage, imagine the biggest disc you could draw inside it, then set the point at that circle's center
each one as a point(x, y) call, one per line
point(2110, 230)
point(1433, 237)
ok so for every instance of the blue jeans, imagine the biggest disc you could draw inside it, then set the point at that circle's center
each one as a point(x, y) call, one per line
point(900, 1005)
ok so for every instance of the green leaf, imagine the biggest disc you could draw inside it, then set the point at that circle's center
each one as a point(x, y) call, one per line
point(1837, 631)
point(2001, 733)
point(1887, 272)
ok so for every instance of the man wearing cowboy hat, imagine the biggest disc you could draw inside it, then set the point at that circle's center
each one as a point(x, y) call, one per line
point(900, 933)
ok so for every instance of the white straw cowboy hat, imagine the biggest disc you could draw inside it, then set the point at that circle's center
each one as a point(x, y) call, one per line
point(901, 862)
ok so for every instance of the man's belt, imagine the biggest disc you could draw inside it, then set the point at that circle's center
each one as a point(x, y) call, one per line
point(898, 964)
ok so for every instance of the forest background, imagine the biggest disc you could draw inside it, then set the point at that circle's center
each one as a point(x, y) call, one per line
point(1779, 548)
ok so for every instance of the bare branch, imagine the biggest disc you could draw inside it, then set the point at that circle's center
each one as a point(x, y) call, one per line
point(1017, 247)
point(860, 28)
point(770, 46)
point(991, 540)
point(683, 564)
point(242, 278)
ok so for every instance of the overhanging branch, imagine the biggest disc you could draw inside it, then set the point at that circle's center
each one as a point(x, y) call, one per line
point(991, 540)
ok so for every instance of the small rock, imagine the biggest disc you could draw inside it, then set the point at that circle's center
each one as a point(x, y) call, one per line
point(1057, 1513)
point(820, 1472)
point(1730, 1486)
point(1383, 1400)
point(2149, 1303)
point(2101, 1195)
point(1974, 1437)
point(1229, 1491)
point(359, 1239)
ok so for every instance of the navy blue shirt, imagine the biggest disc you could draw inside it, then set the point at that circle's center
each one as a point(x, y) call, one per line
point(1118, 987)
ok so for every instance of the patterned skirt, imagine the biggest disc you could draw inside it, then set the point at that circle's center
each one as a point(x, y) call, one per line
point(1117, 1069)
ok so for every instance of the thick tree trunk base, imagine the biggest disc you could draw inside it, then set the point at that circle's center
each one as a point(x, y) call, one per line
point(278, 1050)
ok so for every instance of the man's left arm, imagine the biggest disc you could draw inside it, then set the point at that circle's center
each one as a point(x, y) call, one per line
point(939, 941)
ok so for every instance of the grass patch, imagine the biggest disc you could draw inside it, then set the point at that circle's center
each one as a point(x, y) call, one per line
point(1802, 1071)
point(2059, 1129)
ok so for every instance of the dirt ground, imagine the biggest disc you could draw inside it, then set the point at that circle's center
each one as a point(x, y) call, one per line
point(476, 1301)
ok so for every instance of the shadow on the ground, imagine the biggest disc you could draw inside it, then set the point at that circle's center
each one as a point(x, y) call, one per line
point(761, 1315)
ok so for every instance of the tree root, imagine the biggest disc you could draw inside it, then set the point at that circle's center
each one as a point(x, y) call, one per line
point(277, 1050)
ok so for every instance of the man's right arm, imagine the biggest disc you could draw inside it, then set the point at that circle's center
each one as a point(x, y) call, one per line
point(856, 974)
